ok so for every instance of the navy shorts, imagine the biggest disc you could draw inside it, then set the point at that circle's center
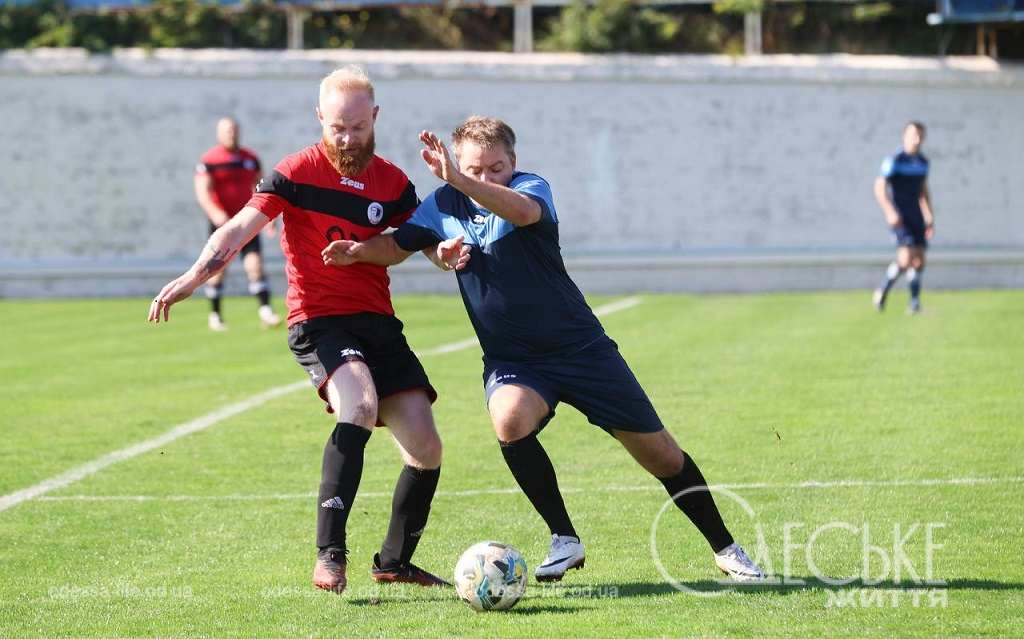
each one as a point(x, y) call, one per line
point(907, 236)
point(595, 381)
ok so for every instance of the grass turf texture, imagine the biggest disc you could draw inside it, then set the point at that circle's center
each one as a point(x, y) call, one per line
point(772, 388)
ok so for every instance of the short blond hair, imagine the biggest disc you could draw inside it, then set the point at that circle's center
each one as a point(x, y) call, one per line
point(487, 132)
point(346, 78)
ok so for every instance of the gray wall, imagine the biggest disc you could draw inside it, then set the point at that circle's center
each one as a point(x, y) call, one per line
point(692, 156)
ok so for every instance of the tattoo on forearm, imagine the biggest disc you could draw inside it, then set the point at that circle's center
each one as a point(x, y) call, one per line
point(213, 260)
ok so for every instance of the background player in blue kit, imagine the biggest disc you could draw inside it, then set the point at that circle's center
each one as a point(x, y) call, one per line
point(542, 343)
point(902, 192)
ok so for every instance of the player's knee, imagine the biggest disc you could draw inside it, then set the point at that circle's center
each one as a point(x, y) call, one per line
point(664, 459)
point(669, 462)
point(429, 449)
point(362, 411)
point(510, 426)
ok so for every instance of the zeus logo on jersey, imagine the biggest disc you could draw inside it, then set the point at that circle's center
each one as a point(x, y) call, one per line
point(347, 181)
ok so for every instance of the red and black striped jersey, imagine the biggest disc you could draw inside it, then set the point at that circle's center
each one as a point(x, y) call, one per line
point(232, 175)
point(319, 206)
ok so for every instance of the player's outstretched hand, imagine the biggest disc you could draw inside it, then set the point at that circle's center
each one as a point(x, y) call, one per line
point(175, 291)
point(436, 155)
point(339, 253)
point(454, 253)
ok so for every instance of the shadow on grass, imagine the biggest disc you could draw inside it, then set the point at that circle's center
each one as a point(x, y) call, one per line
point(404, 599)
point(794, 585)
point(526, 608)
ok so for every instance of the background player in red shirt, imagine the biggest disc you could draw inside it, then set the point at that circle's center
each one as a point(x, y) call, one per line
point(341, 325)
point(225, 178)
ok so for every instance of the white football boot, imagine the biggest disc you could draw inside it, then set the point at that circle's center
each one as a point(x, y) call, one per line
point(216, 323)
point(268, 317)
point(733, 561)
point(566, 552)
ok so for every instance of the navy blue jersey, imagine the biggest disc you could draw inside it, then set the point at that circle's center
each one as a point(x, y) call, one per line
point(906, 174)
point(522, 303)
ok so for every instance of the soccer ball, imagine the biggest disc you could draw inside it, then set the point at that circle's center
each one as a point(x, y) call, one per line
point(490, 576)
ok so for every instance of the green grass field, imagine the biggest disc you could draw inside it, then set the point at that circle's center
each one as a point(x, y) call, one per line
point(211, 535)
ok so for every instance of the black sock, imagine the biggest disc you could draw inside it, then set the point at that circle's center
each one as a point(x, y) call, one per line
point(213, 293)
point(409, 509)
point(698, 504)
point(534, 473)
point(261, 290)
point(339, 481)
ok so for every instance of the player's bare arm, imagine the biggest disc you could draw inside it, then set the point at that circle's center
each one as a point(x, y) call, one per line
point(892, 217)
point(926, 211)
point(383, 250)
point(223, 245)
point(470, 179)
point(204, 187)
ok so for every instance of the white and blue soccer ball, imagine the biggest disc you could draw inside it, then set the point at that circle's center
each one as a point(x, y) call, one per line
point(490, 576)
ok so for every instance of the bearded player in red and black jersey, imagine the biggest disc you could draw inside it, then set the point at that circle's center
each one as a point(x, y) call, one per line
point(341, 325)
point(225, 177)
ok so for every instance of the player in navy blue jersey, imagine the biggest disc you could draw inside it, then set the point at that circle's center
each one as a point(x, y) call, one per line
point(902, 192)
point(542, 344)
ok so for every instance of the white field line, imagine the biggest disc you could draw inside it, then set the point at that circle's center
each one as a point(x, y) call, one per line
point(805, 485)
point(212, 418)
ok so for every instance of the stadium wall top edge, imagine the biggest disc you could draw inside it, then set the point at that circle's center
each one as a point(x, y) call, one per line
point(541, 67)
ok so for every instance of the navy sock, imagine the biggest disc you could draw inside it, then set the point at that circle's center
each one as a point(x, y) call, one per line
point(698, 504)
point(914, 280)
point(532, 468)
point(892, 273)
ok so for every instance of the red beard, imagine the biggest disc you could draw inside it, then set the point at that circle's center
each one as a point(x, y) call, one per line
point(350, 162)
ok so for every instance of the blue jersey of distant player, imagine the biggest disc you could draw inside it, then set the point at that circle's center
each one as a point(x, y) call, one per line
point(906, 175)
point(520, 299)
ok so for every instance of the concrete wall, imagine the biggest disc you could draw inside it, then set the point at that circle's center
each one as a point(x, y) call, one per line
point(682, 160)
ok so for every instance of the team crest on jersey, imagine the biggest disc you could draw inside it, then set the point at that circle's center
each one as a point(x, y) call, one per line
point(375, 213)
point(355, 184)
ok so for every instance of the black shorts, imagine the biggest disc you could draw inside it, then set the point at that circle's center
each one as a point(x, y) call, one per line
point(596, 381)
point(322, 344)
point(252, 246)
